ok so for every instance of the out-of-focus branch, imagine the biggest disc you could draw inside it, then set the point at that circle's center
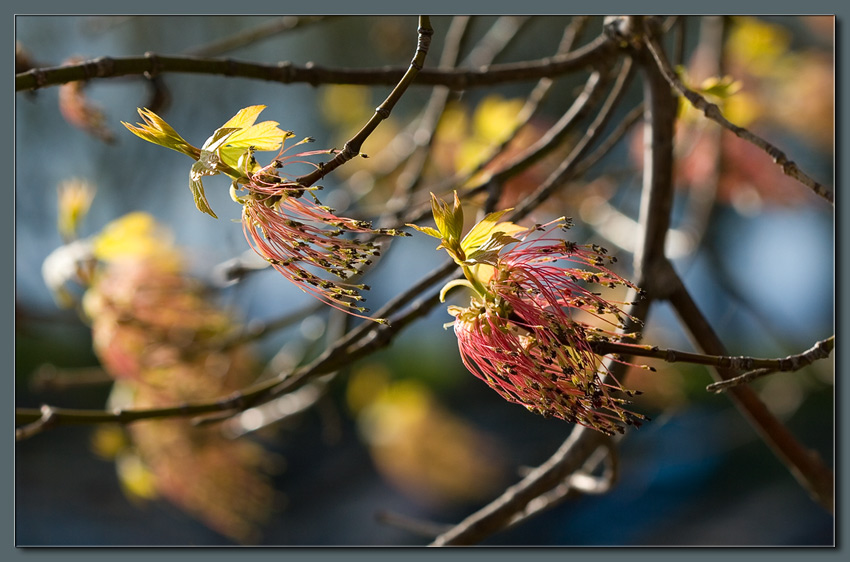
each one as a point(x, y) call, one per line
point(49, 377)
point(255, 34)
point(423, 136)
point(421, 527)
point(566, 170)
point(549, 142)
point(620, 229)
point(526, 113)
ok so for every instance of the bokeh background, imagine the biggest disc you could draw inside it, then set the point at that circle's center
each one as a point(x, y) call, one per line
point(763, 271)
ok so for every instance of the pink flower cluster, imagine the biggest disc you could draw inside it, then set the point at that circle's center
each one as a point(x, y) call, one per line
point(297, 235)
point(530, 339)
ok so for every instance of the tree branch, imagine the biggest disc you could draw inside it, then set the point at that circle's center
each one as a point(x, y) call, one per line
point(495, 516)
point(583, 442)
point(805, 465)
point(352, 147)
point(339, 355)
point(820, 350)
point(711, 111)
point(595, 53)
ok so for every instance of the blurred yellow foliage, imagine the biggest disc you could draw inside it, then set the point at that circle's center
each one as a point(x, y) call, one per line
point(159, 335)
point(132, 237)
point(758, 44)
point(492, 122)
point(345, 105)
point(75, 197)
point(137, 481)
point(495, 118)
point(418, 445)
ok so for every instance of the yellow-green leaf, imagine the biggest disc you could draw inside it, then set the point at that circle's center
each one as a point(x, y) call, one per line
point(262, 136)
point(196, 186)
point(482, 230)
point(245, 117)
point(720, 87)
point(427, 230)
point(449, 220)
point(488, 251)
point(156, 130)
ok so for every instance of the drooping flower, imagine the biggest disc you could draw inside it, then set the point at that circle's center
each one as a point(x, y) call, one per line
point(164, 341)
point(296, 235)
point(529, 329)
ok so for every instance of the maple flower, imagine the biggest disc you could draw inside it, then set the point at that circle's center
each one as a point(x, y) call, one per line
point(527, 331)
point(296, 235)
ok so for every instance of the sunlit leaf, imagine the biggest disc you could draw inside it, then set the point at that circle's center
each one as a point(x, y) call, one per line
point(427, 230)
point(481, 231)
point(262, 136)
point(156, 130)
point(488, 251)
point(218, 138)
point(449, 220)
point(245, 117)
point(199, 169)
point(132, 236)
point(720, 86)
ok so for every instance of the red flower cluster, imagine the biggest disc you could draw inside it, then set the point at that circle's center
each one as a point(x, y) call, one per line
point(294, 233)
point(290, 233)
point(527, 331)
point(528, 343)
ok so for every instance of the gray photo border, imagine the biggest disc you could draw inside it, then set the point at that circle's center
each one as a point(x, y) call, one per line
point(840, 8)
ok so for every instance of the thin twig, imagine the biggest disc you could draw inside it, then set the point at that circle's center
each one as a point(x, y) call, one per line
point(498, 37)
point(513, 502)
point(420, 527)
point(549, 142)
point(577, 484)
point(45, 419)
point(351, 148)
point(49, 377)
point(566, 170)
point(553, 138)
point(625, 125)
point(423, 136)
point(526, 113)
point(820, 350)
point(711, 111)
point(805, 465)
